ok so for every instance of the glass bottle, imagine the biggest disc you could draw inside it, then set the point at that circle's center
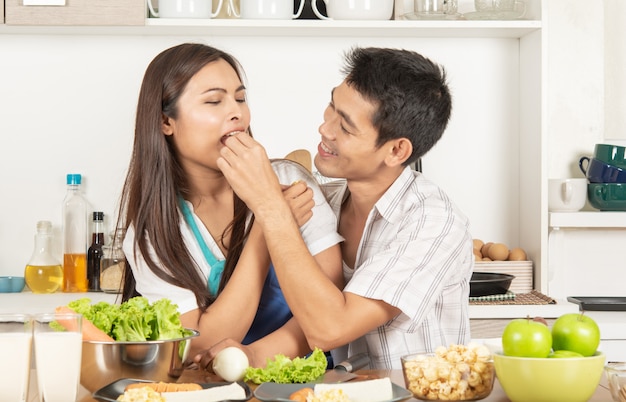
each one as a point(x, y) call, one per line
point(43, 272)
point(94, 253)
point(75, 227)
point(113, 263)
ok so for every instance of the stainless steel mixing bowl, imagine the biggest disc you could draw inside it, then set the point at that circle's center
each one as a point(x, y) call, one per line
point(106, 362)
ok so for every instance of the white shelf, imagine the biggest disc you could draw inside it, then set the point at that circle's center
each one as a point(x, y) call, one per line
point(588, 220)
point(234, 27)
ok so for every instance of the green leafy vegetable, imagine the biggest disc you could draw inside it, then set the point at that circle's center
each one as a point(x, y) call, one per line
point(283, 370)
point(133, 320)
point(167, 320)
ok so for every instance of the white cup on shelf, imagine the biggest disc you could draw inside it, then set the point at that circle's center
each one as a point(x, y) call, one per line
point(184, 9)
point(269, 9)
point(355, 9)
point(567, 195)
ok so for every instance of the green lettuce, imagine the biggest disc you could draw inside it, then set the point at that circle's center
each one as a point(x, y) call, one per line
point(133, 320)
point(284, 370)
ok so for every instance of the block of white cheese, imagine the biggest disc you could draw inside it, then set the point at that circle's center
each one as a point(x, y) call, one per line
point(220, 393)
point(362, 391)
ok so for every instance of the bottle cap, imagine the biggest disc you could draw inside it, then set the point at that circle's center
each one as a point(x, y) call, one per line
point(98, 216)
point(44, 227)
point(73, 178)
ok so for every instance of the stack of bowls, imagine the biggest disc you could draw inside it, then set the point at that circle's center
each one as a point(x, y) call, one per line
point(606, 173)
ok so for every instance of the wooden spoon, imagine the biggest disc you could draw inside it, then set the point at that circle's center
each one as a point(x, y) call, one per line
point(302, 156)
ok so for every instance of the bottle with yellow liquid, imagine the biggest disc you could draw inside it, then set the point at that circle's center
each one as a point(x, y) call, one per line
point(76, 209)
point(43, 273)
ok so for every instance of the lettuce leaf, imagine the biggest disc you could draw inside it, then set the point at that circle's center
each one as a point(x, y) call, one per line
point(284, 370)
point(133, 320)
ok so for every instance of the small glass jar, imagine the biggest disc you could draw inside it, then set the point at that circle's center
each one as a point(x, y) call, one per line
point(112, 264)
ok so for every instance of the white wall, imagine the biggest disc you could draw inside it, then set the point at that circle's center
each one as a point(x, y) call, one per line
point(67, 104)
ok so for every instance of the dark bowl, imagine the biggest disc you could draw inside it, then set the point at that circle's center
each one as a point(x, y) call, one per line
point(488, 283)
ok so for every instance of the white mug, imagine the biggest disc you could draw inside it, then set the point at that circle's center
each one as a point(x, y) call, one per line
point(567, 195)
point(356, 9)
point(269, 9)
point(184, 9)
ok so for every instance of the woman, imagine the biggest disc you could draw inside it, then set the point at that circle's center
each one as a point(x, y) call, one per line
point(189, 237)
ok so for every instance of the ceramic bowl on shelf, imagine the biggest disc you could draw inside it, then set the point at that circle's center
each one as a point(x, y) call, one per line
point(11, 284)
point(607, 196)
point(544, 379)
point(612, 154)
point(597, 171)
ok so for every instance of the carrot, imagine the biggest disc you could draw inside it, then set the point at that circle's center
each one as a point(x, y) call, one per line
point(90, 331)
point(301, 394)
point(166, 386)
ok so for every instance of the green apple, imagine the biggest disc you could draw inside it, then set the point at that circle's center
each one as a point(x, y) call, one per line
point(526, 338)
point(564, 354)
point(577, 333)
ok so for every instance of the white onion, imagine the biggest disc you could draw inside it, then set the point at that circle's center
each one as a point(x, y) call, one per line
point(230, 363)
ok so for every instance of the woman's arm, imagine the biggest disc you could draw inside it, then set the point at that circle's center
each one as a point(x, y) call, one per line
point(231, 315)
point(289, 339)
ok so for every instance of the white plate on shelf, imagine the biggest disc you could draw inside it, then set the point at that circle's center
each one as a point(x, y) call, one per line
point(432, 17)
point(503, 15)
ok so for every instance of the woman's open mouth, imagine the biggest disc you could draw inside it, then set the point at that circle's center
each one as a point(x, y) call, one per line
point(223, 139)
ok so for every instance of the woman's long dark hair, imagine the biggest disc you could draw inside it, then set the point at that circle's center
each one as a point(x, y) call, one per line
point(155, 178)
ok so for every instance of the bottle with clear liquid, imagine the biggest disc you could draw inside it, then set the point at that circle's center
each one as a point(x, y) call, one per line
point(43, 272)
point(94, 253)
point(75, 229)
point(113, 263)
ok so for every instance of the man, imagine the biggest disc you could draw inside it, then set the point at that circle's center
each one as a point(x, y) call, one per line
point(407, 251)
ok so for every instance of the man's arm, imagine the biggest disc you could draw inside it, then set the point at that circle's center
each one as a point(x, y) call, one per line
point(327, 316)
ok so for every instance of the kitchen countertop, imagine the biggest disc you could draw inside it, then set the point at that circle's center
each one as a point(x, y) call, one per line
point(28, 302)
point(602, 393)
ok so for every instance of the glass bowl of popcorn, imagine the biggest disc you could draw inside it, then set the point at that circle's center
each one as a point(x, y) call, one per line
point(454, 373)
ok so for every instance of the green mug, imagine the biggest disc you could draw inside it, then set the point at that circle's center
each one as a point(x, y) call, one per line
point(607, 196)
point(612, 154)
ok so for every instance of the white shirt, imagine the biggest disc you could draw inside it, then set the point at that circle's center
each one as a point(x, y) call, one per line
point(415, 254)
point(319, 233)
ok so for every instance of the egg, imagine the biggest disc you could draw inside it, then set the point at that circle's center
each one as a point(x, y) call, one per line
point(517, 254)
point(230, 363)
point(477, 255)
point(485, 249)
point(498, 252)
point(478, 244)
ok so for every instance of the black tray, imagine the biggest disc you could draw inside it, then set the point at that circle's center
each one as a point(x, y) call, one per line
point(487, 284)
point(602, 303)
point(110, 392)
